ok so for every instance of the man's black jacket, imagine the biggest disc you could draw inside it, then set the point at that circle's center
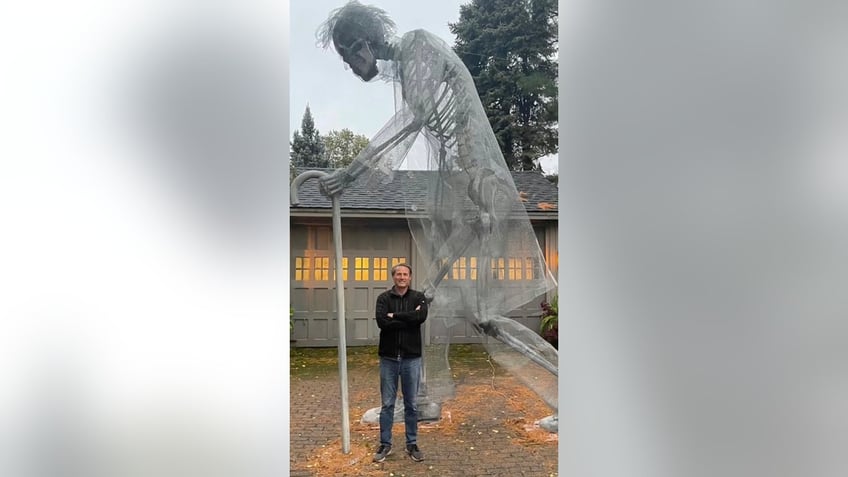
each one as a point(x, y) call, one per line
point(400, 336)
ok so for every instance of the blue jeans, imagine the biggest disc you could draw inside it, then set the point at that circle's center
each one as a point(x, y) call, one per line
point(409, 372)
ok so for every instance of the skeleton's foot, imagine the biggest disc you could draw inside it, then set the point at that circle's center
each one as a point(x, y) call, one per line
point(550, 424)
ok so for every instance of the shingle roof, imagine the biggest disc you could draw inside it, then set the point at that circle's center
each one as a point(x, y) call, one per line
point(538, 194)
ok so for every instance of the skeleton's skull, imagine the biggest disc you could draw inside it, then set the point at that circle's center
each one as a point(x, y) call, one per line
point(358, 33)
point(360, 58)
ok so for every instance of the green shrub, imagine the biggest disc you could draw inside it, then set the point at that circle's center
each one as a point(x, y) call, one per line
point(549, 328)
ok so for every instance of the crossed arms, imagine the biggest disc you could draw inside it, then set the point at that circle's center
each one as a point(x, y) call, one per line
point(395, 320)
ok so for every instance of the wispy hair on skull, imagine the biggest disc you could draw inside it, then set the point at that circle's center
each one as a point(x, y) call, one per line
point(355, 21)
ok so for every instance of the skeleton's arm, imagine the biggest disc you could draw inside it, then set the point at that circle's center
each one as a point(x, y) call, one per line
point(384, 152)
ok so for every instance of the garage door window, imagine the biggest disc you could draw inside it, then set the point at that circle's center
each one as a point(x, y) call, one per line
point(361, 268)
point(381, 268)
point(302, 268)
point(322, 268)
point(344, 269)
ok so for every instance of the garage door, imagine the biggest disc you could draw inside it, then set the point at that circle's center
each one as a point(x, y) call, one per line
point(369, 253)
point(506, 270)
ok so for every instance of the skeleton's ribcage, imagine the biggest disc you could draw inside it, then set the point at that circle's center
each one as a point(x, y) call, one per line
point(458, 131)
point(446, 119)
point(445, 100)
point(458, 127)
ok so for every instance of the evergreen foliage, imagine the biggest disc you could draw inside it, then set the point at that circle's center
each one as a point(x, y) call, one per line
point(510, 48)
point(307, 146)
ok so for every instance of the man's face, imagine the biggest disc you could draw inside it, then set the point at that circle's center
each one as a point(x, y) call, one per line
point(401, 277)
point(360, 58)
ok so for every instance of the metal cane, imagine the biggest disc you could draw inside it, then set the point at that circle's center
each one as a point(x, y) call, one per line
point(340, 306)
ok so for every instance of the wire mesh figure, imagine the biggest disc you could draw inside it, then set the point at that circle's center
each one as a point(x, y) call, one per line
point(472, 223)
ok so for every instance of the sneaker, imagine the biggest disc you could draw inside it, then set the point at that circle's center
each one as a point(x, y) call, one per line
point(414, 453)
point(383, 452)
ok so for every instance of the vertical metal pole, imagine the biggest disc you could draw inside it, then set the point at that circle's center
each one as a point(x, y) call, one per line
point(340, 305)
point(340, 308)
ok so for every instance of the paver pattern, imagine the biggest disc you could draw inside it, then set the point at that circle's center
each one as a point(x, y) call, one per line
point(487, 430)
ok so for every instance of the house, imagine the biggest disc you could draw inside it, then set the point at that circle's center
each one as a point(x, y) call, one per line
point(376, 236)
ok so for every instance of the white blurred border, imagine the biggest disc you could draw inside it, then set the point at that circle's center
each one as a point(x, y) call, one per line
point(703, 238)
point(144, 317)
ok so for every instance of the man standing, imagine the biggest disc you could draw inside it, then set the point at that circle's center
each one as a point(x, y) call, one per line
point(400, 311)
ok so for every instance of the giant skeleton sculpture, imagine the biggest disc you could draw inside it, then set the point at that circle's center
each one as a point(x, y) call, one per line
point(472, 223)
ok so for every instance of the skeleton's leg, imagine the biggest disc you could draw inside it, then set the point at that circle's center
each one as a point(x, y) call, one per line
point(520, 338)
point(454, 243)
point(504, 329)
point(457, 243)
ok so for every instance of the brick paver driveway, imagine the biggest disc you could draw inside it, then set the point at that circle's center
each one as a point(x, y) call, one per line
point(486, 430)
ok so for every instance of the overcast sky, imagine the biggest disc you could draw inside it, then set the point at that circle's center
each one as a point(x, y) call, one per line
point(336, 97)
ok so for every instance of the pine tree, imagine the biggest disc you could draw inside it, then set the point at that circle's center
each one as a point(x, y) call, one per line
point(510, 48)
point(307, 147)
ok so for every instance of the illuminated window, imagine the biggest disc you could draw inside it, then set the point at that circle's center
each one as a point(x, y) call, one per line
point(498, 269)
point(344, 269)
point(360, 265)
point(515, 266)
point(381, 268)
point(397, 260)
point(322, 268)
point(528, 268)
point(302, 268)
point(442, 263)
point(472, 268)
point(459, 272)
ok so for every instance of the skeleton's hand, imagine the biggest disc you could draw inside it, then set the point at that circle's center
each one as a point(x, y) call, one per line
point(335, 182)
point(429, 293)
